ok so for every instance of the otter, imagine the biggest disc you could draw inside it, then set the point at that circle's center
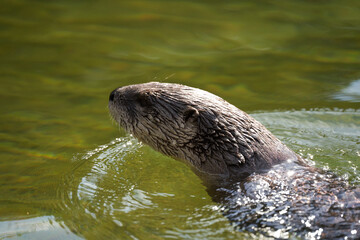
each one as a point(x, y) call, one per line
point(214, 137)
point(239, 160)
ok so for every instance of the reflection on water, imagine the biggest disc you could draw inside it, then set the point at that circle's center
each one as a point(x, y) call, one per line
point(330, 138)
point(350, 93)
point(45, 227)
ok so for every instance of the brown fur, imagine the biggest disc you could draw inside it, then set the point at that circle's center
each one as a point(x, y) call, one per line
point(203, 130)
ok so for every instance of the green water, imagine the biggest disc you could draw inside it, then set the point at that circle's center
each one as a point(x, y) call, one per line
point(63, 174)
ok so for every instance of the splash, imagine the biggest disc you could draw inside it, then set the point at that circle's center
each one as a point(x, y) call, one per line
point(306, 203)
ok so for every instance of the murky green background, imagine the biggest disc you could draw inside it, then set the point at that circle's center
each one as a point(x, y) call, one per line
point(63, 173)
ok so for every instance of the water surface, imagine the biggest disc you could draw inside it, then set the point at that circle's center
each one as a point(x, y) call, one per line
point(65, 168)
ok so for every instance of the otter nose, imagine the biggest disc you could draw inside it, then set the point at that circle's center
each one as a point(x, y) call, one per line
point(112, 95)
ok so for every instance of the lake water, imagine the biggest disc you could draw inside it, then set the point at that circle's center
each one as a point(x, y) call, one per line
point(67, 171)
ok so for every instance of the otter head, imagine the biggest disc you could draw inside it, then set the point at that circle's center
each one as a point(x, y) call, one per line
point(195, 126)
point(154, 115)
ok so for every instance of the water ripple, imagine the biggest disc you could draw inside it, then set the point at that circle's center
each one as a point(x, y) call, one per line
point(124, 190)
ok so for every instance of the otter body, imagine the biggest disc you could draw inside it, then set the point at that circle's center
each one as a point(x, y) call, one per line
point(261, 183)
point(214, 137)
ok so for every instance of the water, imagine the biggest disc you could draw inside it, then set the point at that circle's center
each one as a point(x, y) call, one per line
point(60, 60)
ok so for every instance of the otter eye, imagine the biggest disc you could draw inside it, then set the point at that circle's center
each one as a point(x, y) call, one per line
point(191, 114)
point(144, 99)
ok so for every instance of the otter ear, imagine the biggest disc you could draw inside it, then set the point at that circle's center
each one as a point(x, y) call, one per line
point(191, 115)
point(143, 99)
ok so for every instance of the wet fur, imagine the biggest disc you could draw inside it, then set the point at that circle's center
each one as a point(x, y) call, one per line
point(203, 130)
